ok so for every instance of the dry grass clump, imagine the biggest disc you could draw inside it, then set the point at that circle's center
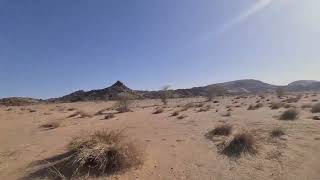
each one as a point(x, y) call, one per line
point(222, 130)
point(103, 152)
point(176, 113)
point(241, 143)
point(50, 125)
point(316, 118)
point(204, 109)
point(293, 99)
point(276, 105)
point(277, 132)
point(80, 114)
point(316, 108)
point(227, 114)
point(255, 107)
point(181, 117)
point(158, 111)
point(123, 104)
point(188, 106)
point(306, 106)
point(290, 114)
point(109, 116)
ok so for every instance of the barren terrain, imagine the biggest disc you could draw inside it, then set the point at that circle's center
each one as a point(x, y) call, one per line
point(175, 147)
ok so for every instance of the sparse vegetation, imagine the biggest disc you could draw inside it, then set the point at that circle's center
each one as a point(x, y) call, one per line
point(222, 130)
point(214, 91)
point(123, 103)
point(276, 105)
point(80, 114)
point(181, 117)
point(241, 143)
point(290, 114)
point(158, 111)
point(176, 113)
point(255, 107)
point(204, 109)
point(277, 132)
point(109, 116)
point(103, 152)
point(306, 106)
point(50, 125)
point(164, 95)
point(316, 108)
point(280, 91)
point(316, 118)
point(227, 114)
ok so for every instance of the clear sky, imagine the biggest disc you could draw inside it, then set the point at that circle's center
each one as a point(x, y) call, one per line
point(49, 48)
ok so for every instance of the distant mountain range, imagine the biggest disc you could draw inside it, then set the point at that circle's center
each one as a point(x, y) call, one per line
point(114, 92)
point(245, 86)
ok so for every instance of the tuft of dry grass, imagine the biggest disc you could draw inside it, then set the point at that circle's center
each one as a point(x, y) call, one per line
point(80, 114)
point(50, 125)
point(316, 118)
point(188, 106)
point(255, 107)
point(241, 143)
point(103, 152)
point(290, 114)
point(316, 108)
point(158, 111)
point(306, 106)
point(181, 117)
point(277, 132)
point(222, 130)
point(204, 109)
point(276, 105)
point(109, 116)
point(227, 114)
point(176, 113)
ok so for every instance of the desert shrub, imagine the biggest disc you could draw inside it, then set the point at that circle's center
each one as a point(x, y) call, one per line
point(109, 116)
point(277, 132)
point(293, 99)
point(123, 103)
point(316, 108)
point(290, 114)
point(241, 143)
point(176, 113)
point(189, 105)
point(222, 130)
point(255, 107)
point(158, 111)
point(164, 95)
point(227, 114)
point(280, 91)
point(314, 100)
point(71, 109)
point(306, 106)
point(32, 110)
point(316, 118)
point(181, 117)
point(276, 105)
point(216, 102)
point(214, 91)
point(103, 152)
point(80, 114)
point(50, 125)
point(204, 109)
point(100, 112)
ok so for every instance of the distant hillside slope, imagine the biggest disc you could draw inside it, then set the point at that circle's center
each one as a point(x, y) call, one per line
point(304, 85)
point(118, 89)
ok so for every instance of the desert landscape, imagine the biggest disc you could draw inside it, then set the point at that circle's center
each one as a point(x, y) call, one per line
point(223, 137)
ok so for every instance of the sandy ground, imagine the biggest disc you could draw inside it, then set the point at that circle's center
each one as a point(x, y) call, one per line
point(174, 148)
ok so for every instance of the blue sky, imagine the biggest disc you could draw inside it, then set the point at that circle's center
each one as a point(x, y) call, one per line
point(51, 48)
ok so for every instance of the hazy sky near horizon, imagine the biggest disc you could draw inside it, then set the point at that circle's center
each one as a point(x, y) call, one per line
point(51, 48)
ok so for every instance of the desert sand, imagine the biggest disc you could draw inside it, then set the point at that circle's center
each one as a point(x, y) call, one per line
point(174, 148)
